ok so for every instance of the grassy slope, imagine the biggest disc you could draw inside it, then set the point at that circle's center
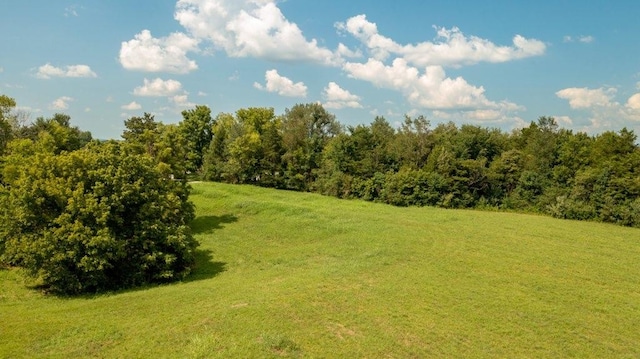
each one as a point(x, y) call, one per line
point(300, 275)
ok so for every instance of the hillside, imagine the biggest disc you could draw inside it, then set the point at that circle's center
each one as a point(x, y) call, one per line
point(287, 274)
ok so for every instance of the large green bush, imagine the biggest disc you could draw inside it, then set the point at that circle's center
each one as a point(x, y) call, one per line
point(98, 218)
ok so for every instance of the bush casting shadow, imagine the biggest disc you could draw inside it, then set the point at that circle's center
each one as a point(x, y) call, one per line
point(207, 224)
point(205, 267)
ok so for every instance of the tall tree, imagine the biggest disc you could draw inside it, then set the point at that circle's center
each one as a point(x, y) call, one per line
point(7, 104)
point(306, 130)
point(196, 127)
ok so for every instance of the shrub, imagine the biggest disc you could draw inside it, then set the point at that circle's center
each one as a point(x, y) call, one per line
point(95, 219)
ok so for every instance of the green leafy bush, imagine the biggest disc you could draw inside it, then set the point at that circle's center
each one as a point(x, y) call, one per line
point(98, 218)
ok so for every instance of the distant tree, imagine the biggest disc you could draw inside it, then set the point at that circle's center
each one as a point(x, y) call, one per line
point(306, 130)
point(7, 104)
point(196, 128)
point(65, 136)
point(414, 142)
point(246, 148)
point(216, 157)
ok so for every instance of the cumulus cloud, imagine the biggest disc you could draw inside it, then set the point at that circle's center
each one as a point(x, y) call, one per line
point(252, 28)
point(282, 85)
point(582, 97)
point(48, 71)
point(431, 89)
point(158, 87)
point(603, 111)
point(182, 100)
point(61, 103)
point(167, 54)
point(131, 106)
point(337, 97)
point(634, 102)
point(450, 48)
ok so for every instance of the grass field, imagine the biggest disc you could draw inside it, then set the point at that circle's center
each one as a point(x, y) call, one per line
point(284, 274)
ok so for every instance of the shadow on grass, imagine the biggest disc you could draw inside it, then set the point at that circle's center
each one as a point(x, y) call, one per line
point(205, 267)
point(207, 224)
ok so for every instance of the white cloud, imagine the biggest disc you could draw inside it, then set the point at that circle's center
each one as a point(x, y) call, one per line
point(634, 102)
point(431, 89)
point(451, 48)
point(564, 120)
point(251, 28)
point(603, 111)
point(1, 69)
point(167, 54)
point(131, 106)
point(282, 85)
point(158, 88)
point(587, 98)
point(48, 71)
point(61, 103)
point(71, 11)
point(586, 39)
point(337, 97)
point(182, 100)
point(202, 94)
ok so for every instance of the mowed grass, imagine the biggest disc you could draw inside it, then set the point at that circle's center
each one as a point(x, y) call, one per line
point(284, 274)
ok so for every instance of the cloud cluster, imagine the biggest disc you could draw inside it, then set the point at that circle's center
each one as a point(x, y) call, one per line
point(451, 48)
point(430, 89)
point(259, 29)
point(251, 28)
point(604, 110)
point(48, 71)
point(282, 85)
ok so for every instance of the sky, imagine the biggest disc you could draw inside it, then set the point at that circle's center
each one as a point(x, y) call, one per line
point(498, 64)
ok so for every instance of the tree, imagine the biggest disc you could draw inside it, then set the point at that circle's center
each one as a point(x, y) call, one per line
point(306, 130)
point(196, 127)
point(142, 132)
point(65, 136)
point(99, 218)
point(246, 148)
point(7, 104)
point(414, 142)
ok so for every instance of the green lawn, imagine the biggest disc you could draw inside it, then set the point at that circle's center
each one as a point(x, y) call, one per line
point(285, 274)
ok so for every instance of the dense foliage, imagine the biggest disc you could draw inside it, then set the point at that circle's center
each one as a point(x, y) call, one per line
point(540, 168)
point(89, 216)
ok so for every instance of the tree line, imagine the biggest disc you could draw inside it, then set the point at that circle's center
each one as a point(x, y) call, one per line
point(541, 168)
point(120, 199)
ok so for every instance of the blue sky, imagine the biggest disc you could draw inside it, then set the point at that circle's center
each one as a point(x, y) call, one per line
point(496, 64)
